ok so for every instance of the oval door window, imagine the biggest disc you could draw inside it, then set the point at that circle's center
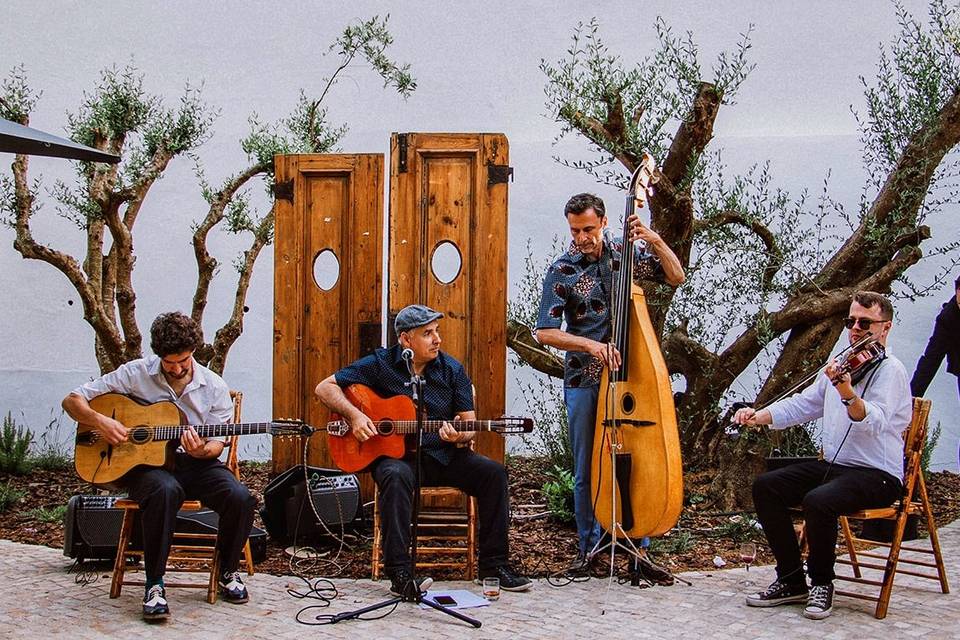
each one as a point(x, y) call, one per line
point(326, 269)
point(446, 262)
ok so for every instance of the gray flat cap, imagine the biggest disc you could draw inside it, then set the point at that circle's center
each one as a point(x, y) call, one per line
point(413, 316)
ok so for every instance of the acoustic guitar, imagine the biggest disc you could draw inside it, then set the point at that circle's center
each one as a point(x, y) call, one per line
point(395, 418)
point(155, 431)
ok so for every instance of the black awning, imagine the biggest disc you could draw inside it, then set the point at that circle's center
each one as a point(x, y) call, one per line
point(16, 138)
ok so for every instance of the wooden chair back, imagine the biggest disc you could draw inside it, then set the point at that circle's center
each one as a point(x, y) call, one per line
point(914, 501)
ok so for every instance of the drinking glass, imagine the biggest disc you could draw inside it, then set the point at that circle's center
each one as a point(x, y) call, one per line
point(491, 588)
point(748, 553)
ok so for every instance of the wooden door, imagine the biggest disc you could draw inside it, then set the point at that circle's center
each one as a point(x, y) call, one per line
point(448, 204)
point(327, 283)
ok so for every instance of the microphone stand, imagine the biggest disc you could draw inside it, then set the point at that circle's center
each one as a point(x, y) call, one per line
point(411, 590)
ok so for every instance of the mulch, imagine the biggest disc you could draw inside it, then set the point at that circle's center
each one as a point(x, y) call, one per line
point(540, 545)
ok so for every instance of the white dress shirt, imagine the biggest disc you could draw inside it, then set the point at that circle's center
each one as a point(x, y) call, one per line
point(205, 399)
point(877, 440)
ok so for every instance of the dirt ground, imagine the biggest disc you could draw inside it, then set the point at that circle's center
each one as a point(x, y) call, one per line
point(539, 544)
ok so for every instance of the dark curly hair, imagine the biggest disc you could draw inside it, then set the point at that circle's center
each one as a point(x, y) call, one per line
point(174, 332)
point(581, 202)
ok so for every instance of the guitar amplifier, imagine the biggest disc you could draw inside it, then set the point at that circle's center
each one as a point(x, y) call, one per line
point(334, 494)
point(208, 521)
point(91, 528)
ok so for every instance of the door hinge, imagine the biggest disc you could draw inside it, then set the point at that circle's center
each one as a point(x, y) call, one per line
point(283, 190)
point(401, 153)
point(499, 174)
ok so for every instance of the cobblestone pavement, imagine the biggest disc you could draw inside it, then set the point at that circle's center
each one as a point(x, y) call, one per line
point(39, 599)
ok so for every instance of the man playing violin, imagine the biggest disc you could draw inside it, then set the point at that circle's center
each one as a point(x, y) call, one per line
point(864, 416)
point(447, 395)
point(577, 290)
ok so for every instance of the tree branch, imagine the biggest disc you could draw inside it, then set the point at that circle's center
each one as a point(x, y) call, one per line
point(775, 255)
point(207, 264)
point(693, 135)
point(233, 327)
point(520, 339)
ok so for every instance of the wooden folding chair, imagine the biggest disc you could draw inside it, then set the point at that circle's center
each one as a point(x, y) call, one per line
point(914, 501)
point(190, 552)
point(447, 531)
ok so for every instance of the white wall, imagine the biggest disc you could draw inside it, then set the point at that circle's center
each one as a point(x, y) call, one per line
point(476, 64)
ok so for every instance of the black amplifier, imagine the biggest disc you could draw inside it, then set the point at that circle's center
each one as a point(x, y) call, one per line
point(335, 498)
point(91, 527)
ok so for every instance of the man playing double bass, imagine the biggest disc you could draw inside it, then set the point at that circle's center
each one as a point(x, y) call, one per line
point(577, 290)
point(862, 467)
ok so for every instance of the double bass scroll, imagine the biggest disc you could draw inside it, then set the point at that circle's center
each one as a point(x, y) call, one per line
point(636, 474)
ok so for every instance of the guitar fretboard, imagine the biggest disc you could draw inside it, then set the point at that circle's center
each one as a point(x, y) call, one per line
point(174, 431)
point(410, 426)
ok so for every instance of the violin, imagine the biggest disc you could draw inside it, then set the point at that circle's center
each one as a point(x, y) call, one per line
point(859, 360)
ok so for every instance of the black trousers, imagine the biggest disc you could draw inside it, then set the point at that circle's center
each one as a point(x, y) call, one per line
point(470, 472)
point(160, 493)
point(825, 492)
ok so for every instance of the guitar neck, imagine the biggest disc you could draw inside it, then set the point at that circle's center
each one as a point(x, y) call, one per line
point(174, 431)
point(433, 426)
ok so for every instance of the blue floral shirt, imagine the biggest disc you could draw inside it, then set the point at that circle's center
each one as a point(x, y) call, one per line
point(577, 290)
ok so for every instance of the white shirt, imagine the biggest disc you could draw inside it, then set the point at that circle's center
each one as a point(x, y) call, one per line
point(205, 399)
point(877, 440)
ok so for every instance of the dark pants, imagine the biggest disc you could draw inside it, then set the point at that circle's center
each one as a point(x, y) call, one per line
point(825, 493)
point(472, 473)
point(160, 493)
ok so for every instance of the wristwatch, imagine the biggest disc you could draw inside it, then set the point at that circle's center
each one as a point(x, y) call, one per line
point(849, 401)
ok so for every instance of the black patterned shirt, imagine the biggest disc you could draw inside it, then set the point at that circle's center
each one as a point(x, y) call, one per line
point(577, 290)
point(447, 389)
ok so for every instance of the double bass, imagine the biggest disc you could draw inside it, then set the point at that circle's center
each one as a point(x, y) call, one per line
point(636, 474)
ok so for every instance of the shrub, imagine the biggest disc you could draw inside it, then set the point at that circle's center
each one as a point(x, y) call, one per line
point(933, 437)
point(9, 496)
point(14, 447)
point(51, 453)
point(559, 494)
point(48, 514)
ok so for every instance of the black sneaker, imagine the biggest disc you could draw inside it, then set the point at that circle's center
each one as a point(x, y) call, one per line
point(155, 603)
point(778, 593)
point(232, 589)
point(820, 602)
point(400, 580)
point(509, 581)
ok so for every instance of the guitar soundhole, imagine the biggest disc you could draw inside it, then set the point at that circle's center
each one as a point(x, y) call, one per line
point(385, 427)
point(140, 435)
point(627, 403)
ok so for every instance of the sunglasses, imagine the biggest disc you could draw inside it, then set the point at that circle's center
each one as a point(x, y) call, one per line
point(861, 323)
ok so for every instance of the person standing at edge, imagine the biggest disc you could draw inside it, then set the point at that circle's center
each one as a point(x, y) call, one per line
point(577, 290)
point(944, 341)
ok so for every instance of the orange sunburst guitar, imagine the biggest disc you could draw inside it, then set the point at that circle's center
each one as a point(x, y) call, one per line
point(395, 418)
point(155, 431)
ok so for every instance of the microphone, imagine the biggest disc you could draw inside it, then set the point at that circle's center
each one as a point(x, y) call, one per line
point(407, 355)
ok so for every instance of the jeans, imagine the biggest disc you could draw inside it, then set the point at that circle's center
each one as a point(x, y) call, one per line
point(581, 416)
point(160, 493)
point(470, 472)
point(825, 492)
